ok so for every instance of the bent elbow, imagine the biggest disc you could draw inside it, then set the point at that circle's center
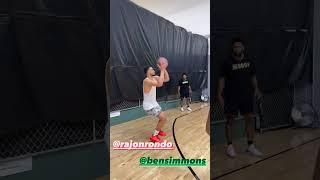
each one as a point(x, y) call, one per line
point(160, 84)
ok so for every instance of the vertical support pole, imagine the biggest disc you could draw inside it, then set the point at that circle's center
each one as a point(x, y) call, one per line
point(316, 55)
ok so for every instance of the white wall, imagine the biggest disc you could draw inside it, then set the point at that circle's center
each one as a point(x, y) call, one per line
point(167, 7)
point(193, 15)
point(195, 19)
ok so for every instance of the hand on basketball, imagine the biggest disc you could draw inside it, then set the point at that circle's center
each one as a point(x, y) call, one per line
point(163, 63)
point(161, 67)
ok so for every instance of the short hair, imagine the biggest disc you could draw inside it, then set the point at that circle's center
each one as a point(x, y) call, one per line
point(145, 69)
point(183, 74)
point(237, 39)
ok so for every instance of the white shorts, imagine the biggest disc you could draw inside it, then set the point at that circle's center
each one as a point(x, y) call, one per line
point(154, 111)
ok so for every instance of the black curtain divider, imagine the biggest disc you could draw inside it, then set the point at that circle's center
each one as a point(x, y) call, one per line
point(17, 109)
point(138, 38)
point(53, 60)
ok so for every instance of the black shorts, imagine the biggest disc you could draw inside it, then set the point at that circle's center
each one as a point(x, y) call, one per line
point(234, 105)
point(184, 95)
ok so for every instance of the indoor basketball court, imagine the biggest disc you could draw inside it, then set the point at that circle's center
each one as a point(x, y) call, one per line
point(186, 130)
point(132, 90)
point(146, 35)
point(288, 154)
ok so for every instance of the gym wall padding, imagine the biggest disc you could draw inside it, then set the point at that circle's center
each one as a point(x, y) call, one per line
point(138, 38)
point(53, 60)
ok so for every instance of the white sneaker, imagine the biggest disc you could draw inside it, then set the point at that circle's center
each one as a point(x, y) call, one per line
point(230, 151)
point(189, 109)
point(254, 151)
point(182, 109)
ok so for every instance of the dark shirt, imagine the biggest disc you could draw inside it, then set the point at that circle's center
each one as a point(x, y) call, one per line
point(238, 77)
point(184, 86)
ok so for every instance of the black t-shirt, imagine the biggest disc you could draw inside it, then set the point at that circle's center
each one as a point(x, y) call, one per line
point(238, 77)
point(184, 86)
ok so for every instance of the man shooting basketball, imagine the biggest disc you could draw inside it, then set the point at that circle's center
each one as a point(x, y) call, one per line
point(150, 104)
point(237, 88)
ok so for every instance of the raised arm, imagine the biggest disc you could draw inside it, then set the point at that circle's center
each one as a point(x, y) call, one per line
point(160, 79)
point(166, 76)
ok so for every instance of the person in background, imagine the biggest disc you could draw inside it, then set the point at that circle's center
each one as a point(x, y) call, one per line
point(184, 91)
point(236, 91)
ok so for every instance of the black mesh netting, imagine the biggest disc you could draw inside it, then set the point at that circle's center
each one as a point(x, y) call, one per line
point(50, 136)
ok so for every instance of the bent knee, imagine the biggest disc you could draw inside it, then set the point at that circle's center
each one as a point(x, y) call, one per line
point(162, 117)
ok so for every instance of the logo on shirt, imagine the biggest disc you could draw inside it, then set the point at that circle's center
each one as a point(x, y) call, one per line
point(240, 66)
point(184, 82)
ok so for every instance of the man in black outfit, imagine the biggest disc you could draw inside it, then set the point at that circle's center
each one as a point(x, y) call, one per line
point(237, 88)
point(184, 91)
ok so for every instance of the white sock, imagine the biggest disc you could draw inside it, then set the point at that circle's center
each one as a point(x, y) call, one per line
point(155, 133)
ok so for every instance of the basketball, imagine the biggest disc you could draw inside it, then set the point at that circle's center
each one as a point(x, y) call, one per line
point(163, 62)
